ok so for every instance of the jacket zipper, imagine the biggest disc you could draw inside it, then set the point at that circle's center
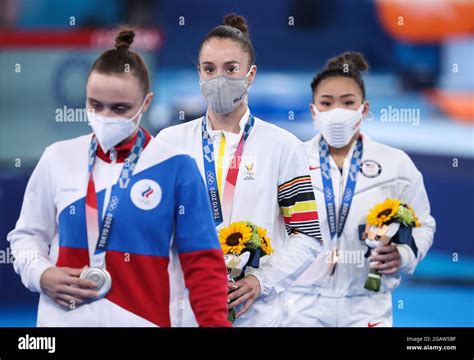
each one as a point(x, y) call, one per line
point(338, 208)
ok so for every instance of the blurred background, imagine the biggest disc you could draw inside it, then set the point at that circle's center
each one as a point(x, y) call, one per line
point(420, 86)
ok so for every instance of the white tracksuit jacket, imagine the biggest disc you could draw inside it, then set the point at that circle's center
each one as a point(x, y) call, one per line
point(273, 190)
point(148, 225)
point(317, 299)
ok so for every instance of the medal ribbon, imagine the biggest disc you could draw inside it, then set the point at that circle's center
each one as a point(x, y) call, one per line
point(96, 230)
point(231, 179)
point(328, 188)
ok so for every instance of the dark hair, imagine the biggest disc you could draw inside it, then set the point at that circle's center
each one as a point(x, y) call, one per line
point(115, 61)
point(348, 64)
point(235, 28)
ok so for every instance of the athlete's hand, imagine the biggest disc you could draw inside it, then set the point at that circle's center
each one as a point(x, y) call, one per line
point(64, 286)
point(232, 286)
point(388, 259)
point(245, 291)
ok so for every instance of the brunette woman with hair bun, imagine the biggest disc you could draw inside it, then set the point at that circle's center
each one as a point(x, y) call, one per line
point(254, 171)
point(351, 174)
point(88, 238)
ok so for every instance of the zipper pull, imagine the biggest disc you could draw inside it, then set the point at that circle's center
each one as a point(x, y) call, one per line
point(113, 155)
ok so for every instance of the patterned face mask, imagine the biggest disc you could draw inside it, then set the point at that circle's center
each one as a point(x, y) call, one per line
point(223, 93)
point(338, 126)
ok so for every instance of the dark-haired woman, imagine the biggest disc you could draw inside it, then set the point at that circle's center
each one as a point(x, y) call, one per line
point(351, 174)
point(254, 171)
point(88, 238)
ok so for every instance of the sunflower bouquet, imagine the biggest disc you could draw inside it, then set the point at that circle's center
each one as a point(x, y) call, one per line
point(383, 222)
point(243, 244)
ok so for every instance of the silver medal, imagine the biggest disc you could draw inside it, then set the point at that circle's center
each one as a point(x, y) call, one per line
point(101, 277)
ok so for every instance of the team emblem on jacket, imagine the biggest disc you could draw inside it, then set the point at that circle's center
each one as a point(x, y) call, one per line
point(146, 194)
point(370, 168)
point(249, 171)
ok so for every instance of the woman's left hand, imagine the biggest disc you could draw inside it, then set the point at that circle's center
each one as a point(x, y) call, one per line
point(389, 260)
point(248, 290)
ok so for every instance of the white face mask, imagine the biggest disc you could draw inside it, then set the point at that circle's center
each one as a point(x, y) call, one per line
point(223, 93)
point(338, 126)
point(110, 131)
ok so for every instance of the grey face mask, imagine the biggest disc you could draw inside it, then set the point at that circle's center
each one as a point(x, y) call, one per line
point(224, 94)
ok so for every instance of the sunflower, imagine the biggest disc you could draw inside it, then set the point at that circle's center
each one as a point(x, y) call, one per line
point(234, 237)
point(382, 213)
point(266, 247)
point(417, 221)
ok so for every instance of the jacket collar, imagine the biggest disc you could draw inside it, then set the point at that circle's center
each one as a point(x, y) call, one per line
point(123, 150)
point(232, 139)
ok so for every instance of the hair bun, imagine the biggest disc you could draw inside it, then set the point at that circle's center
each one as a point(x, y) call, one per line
point(124, 39)
point(355, 60)
point(237, 22)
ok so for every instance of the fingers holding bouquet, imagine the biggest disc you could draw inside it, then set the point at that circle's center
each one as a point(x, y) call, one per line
point(243, 244)
point(384, 224)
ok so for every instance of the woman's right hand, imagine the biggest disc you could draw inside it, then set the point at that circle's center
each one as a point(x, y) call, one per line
point(65, 288)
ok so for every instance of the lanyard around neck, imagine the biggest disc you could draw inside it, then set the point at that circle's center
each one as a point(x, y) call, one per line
point(97, 229)
point(222, 209)
point(348, 193)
